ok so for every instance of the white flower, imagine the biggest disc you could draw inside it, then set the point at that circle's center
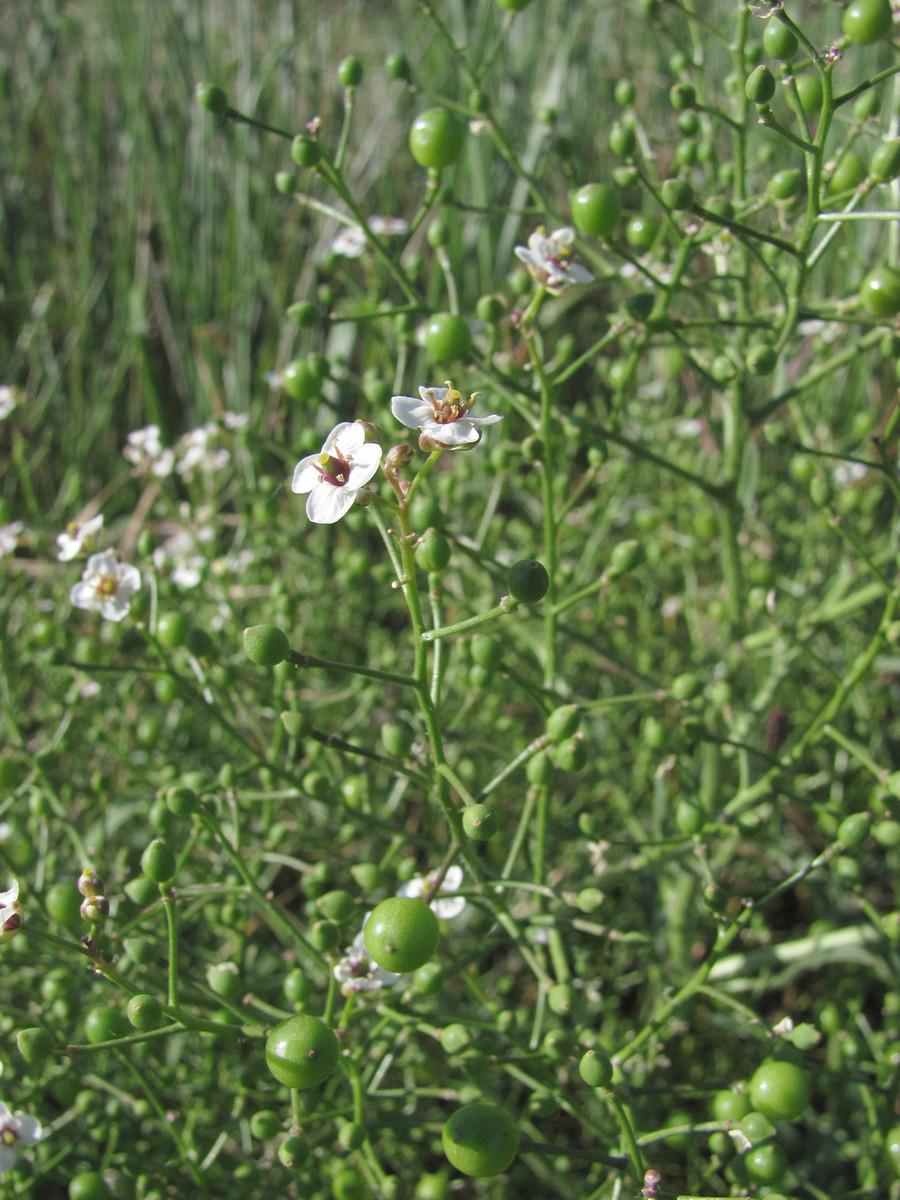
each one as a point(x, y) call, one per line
point(9, 398)
point(9, 537)
point(194, 450)
point(442, 415)
point(547, 260)
point(180, 550)
point(235, 420)
point(106, 586)
point(337, 474)
point(351, 241)
point(356, 972)
point(145, 452)
point(443, 906)
point(10, 920)
point(78, 538)
point(16, 1130)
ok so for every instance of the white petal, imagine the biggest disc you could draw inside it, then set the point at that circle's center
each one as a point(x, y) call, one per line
point(84, 595)
point(410, 412)
point(9, 897)
point(564, 236)
point(448, 907)
point(7, 1159)
point(413, 887)
point(363, 465)
point(452, 879)
point(29, 1127)
point(305, 475)
point(490, 419)
point(454, 433)
point(326, 504)
point(349, 434)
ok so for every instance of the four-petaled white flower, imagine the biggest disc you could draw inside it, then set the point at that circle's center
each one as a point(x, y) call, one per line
point(78, 538)
point(547, 259)
point(16, 1130)
point(335, 476)
point(351, 241)
point(106, 586)
point(442, 415)
point(9, 537)
point(356, 972)
point(443, 906)
point(10, 915)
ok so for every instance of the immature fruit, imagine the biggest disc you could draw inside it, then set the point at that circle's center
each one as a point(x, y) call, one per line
point(350, 72)
point(809, 88)
point(730, 1106)
point(266, 645)
point(172, 629)
point(480, 822)
point(433, 552)
point(397, 66)
point(885, 162)
point(596, 1068)
point(293, 1151)
point(765, 1164)
point(867, 21)
point(780, 1090)
point(158, 862)
point(63, 903)
point(34, 1044)
point(447, 337)
point(87, 1185)
point(144, 1011)
point(104, 1024)
point(596, 210)
point(265, 1124)
point(436, 138)
point(760, 85)
point(640, 233)
point(779, 41)
point(480, 1140)
point(300, 380)
point(401, 934)
point(879, 292)
point(528, 581)
point(305, 151)
point(302, 1051)
point(677, 194)
point(212, 98)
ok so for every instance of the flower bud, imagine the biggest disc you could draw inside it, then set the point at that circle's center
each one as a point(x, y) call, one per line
point(372, 432)
point(212, 98)
point(89, 882)
point(399, 456)
point(94, 909)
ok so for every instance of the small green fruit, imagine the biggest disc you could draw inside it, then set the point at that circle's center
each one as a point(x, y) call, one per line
point(595, 1068)
point(480, 822)
point(266, 645)
point(480, 1140)
point(302, 1051)
point(401, 934)
point(158, 862)
point(528, 581)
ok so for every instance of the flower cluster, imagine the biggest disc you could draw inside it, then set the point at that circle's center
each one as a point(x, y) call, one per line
point(106, 586)
point(547, 258)
point(194, 450)
point(9, 537)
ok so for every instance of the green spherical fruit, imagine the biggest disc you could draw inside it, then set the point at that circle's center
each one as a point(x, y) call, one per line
point(436, 138)
point(397, 66)
point(212, 98)
point(892, 1149)
point(397, 739)
point(677, 194)
point(885, 162)
point(490, 309)
point(596, 210)
point(760, 85)
point(480, 1140)
point(640, 233)
point(266, 645)
point(349, 1184)
point(306, 151)
point(848, 174)
point(786, 185)
point(401, 934)
point(293, 1151)
point(302, 1051)
point(350, 72)
point(682, 95)
point(572, 754)
point(622, 139)
point(172, 629)
point(528, 581)
point(63, 903)
point(809, 89)
point(88, 1185)
point(779, 41)
point(144, 1011)
point(35, 1045)
point(300, 380)
point(879, 292)
point(563, 722)
point(765, 1164)
point(867, 21)
point(158, 862)
point(265, 1124)
point(780, 1090)
point(104, 1024)
point(447, 337)
point(595, 1068)
point(854, 830)
point(480, 822)
point(730, 1106)
point(761, 359)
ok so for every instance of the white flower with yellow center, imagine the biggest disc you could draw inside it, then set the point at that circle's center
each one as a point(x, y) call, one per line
point(333, 479)
point(548, 259)
point(16, 1130)
point(106, 586)
point(78, 539)
point(442, 415)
